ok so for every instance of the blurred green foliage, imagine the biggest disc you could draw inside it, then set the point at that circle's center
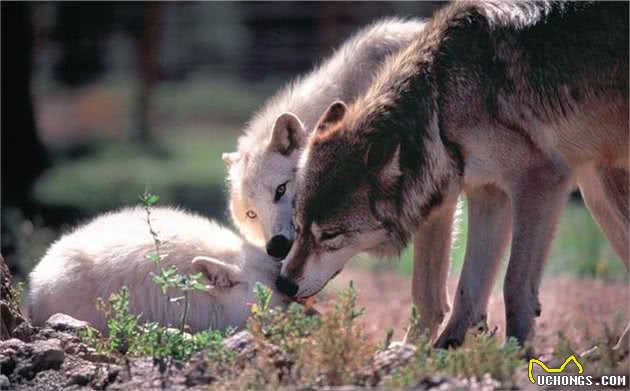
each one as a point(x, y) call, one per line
point(115, 175)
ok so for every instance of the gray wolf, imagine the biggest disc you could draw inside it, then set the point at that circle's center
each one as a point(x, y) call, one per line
point(509, 103)
point(100, 257)
point(261, 171)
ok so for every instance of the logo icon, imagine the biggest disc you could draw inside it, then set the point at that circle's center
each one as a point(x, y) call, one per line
point(552, 370)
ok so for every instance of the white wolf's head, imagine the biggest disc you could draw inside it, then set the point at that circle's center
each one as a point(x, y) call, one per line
point(231, 284)
point(262, 185)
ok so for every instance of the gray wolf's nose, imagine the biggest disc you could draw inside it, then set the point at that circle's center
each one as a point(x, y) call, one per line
point(286, 286)
point(279, 246)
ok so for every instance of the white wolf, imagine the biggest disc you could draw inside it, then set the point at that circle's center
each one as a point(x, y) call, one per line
point(261, 172)
point(108, 253)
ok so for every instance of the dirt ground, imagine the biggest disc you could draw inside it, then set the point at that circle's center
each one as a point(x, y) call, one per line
point(577, 307)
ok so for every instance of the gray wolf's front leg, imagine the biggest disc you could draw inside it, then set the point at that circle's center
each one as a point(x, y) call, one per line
point(538, 196)
point(489, 229)
point(431, 256)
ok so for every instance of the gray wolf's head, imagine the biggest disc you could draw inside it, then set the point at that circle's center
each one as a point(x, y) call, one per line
point(348, 200)
point(262, 185)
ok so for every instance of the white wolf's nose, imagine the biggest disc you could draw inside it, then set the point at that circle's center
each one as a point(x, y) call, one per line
point(279, 246)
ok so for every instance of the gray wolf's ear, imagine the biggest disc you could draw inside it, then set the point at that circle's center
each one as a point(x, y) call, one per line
point(288, 134)
point(334, 113)
point(229, 158)
point(218, 273)
point(383, 162)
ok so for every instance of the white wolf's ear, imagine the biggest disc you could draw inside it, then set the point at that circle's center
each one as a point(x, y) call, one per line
point(229, 158)
point(218, 273)
point(383, 162)
point(288, 134)
point(333, 114)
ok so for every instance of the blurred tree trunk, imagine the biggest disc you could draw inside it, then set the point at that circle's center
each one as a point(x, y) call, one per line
point(148, 43)
point(283, 38)
point(81, 32)
point(23, 155)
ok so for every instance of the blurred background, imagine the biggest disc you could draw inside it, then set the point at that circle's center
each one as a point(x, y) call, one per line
point(101, 101)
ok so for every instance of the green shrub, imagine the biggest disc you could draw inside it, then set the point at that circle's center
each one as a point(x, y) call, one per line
point(480, 355)
point(287, 329)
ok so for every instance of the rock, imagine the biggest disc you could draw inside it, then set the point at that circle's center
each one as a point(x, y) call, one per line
point(81, 376)
point(12, 352)
point(395, 356)
point(63, 322)
point(48, 354)
point(240, 341)
point(4, 383)
point(24, 331)
point(72, 345)
point(45, 355)
point(7, 364)
point(14, 345)
point(49, 380)
point(247, 348)
point(105, 376)
point(432, 382)
point(384, 362)
point(244, 345)
point(26, 360)
point(197, 371)
point(90, 354)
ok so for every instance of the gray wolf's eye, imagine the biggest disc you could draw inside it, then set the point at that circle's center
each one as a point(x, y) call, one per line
point(280, 191)
point(329, 235)
point(251, 214)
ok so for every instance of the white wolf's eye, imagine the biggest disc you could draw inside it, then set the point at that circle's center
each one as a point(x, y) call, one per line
point(280, 191)
point(251, 214)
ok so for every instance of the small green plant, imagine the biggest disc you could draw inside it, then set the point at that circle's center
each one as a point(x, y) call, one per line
point(286, 329)
point(15, 295)
point(122, 326)
point(324, 350)
point(161, 342)
point(414, 331)
point(170, 278)
point(338, 351)
point(389, 334)
point(129, 337)
point(480, 355)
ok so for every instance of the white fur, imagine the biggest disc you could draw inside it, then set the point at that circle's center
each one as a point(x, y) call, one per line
point(259, 169)
point(99, 258)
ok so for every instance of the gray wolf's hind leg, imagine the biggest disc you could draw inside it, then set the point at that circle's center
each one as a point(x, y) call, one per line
point(605, 191)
